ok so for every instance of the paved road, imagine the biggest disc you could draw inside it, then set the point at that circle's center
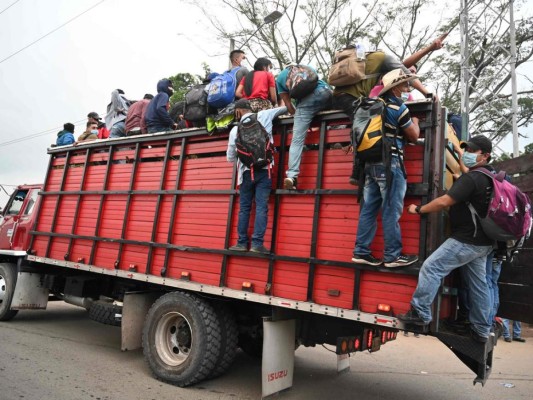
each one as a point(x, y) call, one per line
point(59, 354)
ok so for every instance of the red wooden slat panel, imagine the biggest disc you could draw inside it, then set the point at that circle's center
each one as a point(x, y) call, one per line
point(334, 278)
point(290, 280)
point(253, 270)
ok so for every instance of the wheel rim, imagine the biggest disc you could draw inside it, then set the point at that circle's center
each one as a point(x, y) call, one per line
point(173, 339)
point(3, 289)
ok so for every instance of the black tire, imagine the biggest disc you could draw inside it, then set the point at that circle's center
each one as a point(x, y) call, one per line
point(8, 280)
point(228, 343)
point(104, 312)
point(181, 339)
point(251, 340)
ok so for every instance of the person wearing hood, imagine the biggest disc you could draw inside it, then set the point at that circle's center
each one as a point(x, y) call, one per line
point(116, 114)
point(157, 118)
point(66, 136)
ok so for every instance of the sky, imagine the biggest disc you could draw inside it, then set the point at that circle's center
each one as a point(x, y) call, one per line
point(71, 71)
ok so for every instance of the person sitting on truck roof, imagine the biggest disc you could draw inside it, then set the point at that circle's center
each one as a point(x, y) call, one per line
point(103, 132)
point(156, 117)
point(66, 136)
point(259, 86)
point(135, 123)
point(252, 185)
point(116, 114)
point(306, 109)
point(467, 246)
point(91, 133)
point(236, 58)
point(385, 182)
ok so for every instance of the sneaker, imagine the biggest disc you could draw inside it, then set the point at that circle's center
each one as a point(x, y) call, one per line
point(367, 259)
point(402, 261)
point(411, 317)
point(519, 339)
point(238, 247)
point(260, 249)
point(290, 183)
point(478, 338)
point(508, 339)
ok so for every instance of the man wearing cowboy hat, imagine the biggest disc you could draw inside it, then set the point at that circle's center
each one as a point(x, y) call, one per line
point(385, 181)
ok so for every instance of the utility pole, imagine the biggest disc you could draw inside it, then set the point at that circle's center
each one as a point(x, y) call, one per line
point(482, 96)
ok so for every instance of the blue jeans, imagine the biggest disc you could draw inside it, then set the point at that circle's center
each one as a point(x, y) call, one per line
point(450, 255)
point(306, 109)
point(517, 329)
point(118, 130)
point(260, 188)
point(156, 129)
point(494, 267)
point(375, 197)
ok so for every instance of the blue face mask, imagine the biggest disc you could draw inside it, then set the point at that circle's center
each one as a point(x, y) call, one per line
point(469, 159)
point(94, 131)
point(405, 96)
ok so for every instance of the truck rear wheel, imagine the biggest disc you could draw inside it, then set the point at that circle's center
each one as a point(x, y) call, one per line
point(8, 279)
point(229, 339)
point(105, 312)
point(181, 339)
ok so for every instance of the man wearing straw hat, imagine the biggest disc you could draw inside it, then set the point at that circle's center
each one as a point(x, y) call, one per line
point(385, 180)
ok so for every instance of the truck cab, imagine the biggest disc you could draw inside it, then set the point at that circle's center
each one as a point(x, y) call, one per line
point(17, 218)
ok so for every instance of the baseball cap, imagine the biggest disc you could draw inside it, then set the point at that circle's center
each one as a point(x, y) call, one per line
point(478, 142)
point(93, 115)
point(243, 103)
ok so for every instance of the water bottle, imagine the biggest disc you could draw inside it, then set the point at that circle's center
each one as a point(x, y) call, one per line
point(360, 51)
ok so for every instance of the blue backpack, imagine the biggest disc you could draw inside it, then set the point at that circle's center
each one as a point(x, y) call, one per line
point(222, 89)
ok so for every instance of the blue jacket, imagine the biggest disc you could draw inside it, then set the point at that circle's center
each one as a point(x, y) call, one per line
point(64, 138)
point(156, 115)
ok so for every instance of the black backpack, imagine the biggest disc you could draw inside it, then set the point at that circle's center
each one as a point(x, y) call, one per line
point(196, 104)
point(254, 148)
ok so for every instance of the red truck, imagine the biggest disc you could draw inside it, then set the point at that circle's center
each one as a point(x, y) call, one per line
point(137, 231)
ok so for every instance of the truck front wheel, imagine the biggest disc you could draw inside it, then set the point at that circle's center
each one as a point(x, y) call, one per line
point(8, 279)
point(181, 339)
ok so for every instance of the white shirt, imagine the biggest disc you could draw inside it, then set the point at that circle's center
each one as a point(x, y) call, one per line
point(265, 118)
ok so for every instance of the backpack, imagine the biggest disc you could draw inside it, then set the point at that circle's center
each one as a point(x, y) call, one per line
point(347, 69)
point(301, 81)
point(508, 217)
point(369, 129)
point(254, 148)
point(222, 88)
point(222, 120)
point(196, 103)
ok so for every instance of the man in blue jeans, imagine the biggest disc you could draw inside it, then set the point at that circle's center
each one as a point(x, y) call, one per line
point(259, 185)
point(467, 247)
point(380, 192)
point(305, 110)
point(517, 331)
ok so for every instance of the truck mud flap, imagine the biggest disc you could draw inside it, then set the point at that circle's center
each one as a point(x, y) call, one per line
point(476, 356)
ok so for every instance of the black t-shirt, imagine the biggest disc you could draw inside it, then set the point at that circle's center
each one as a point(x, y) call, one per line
point(474, 188)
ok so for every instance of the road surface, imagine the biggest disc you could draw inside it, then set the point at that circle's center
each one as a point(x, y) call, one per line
point(60, 354)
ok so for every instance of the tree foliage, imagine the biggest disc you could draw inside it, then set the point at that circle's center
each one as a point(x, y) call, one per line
point(181, 83)
point(310, 31)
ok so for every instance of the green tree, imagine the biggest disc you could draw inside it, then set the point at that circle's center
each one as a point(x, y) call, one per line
point(310, 31)
point(181, 83)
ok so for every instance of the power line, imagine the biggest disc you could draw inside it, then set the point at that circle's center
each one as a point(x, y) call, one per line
point(52, 31)
point(36, 135)
point(8, 7)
